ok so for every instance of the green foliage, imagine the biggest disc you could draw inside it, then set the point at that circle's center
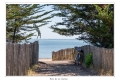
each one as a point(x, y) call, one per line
point(93, 22)
point(24, 20)
point(88, 60)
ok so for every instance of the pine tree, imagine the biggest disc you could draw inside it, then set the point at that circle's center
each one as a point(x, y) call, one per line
point(23, 20)
point(93, 23)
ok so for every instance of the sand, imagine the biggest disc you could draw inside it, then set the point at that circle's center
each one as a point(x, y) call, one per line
point(45, 59)
point(47, 67)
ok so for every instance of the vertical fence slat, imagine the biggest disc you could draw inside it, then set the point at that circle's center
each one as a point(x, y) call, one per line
point(12, 57)
point(16, 50)
point(27, 58)
point(31, 51)
point(8, 59)
point(112, 60)
point(102, 57)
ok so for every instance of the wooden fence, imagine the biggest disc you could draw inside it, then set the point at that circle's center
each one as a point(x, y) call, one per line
point(20, 57)
point(103, 59)
point(64, 54)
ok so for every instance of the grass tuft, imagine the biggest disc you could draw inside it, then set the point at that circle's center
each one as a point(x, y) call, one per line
point(31, 71)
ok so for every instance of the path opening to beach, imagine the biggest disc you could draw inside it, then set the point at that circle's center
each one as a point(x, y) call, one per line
point(47, 67)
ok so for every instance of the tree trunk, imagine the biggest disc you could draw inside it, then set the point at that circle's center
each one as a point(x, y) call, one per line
point(14, 35)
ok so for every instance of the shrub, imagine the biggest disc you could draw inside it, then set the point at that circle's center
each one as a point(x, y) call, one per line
point(88, 60)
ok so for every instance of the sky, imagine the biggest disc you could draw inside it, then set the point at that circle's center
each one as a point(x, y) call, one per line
point(46, 32)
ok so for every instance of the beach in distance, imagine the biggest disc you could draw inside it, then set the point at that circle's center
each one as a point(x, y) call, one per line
point(46, 46)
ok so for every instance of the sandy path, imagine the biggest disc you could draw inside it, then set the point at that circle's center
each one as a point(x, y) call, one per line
point(61, 68)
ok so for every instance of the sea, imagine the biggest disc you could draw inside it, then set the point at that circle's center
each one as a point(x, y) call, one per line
point(47, 46)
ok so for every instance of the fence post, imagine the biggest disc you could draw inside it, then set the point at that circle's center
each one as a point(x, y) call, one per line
point(31, 51)
point(32, 48)
point(27, 57)
point(11, 59)
point(112, 60)
point(37, 51)
point(62, 57)
point(53, 56)
point(16, 51)
point(8, 58)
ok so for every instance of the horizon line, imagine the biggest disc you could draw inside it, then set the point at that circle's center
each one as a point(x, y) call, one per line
point(75, 38)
